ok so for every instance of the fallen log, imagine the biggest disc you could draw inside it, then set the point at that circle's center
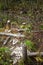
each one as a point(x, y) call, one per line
point(35, 54)
point(10, 34)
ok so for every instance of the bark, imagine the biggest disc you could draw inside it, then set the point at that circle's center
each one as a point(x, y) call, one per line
point(25, 60)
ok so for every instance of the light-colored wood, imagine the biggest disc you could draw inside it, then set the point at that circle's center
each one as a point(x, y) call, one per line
point(5, 42)
point(13, 35)
point(35, 54)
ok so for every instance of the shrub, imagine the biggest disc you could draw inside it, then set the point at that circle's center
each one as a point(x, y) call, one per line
point(5, 58)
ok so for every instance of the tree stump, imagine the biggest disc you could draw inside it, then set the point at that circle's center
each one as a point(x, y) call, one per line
point(25, 60)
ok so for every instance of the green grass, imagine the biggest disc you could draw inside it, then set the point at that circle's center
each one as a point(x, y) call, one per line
point(30, 45)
